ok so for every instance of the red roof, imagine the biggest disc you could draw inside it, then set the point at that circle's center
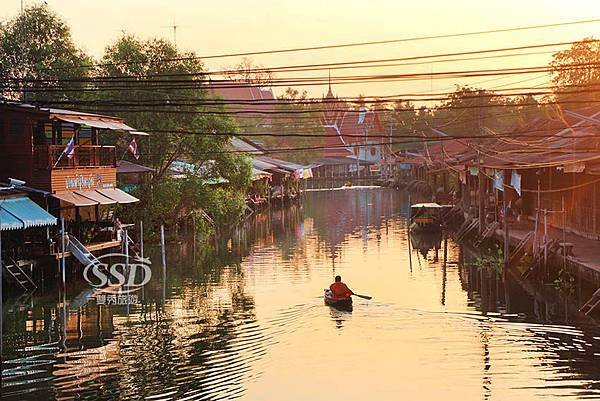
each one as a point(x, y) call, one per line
point(334, 146)
point(358, 125)
point(250, 101)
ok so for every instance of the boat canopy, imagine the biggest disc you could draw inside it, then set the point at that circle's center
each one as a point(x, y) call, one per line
point(431, 205)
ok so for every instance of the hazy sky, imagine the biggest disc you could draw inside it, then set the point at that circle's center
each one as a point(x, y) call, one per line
point(216, 27)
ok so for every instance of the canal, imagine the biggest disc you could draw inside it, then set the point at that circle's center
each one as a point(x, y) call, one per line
point(248, 321)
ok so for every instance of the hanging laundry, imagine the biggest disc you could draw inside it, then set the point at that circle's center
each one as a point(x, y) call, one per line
point(515, 181)
point(499, 180)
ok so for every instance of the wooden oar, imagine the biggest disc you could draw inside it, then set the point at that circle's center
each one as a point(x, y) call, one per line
point(362, 296)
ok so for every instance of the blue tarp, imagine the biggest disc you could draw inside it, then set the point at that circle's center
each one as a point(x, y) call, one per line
point(21, 213)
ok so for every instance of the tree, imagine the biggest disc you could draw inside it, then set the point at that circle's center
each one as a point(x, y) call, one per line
point(402, 120)
point(38, 57)
point(577, 70)
point(163, 91)
point(247, 71)
point(296, 114)
point(469, 110)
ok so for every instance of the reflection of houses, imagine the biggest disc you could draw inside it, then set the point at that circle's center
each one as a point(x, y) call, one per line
point(60, 152)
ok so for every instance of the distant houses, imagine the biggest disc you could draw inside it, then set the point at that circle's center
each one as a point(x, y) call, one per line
point(354, 141)
point(542, 180)
point(275, 181)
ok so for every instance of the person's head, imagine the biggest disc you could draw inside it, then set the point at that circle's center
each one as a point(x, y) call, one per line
point(338, 279)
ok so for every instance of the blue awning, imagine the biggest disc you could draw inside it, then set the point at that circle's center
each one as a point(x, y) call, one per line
point(21, 213)
point(8, 221)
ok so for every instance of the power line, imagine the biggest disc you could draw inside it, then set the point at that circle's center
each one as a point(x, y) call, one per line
point(403, 40)
point(337, 65)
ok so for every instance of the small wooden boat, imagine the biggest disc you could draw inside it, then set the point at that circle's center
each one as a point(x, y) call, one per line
point(343, 303)
point(425, 217)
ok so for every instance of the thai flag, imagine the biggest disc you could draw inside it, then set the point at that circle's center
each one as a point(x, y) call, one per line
point(70, 149)
point(134, 149)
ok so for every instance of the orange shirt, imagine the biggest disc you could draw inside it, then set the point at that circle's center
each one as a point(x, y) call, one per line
point(340, 290)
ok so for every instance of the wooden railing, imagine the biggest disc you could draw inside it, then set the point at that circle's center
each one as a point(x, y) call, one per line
point(49, 156)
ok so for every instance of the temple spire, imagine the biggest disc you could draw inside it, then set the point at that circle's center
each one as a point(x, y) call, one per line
point(329, 92)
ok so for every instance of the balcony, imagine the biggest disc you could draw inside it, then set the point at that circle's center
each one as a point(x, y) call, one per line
point(48, 157)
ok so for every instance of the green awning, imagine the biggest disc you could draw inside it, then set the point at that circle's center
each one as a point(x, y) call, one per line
point(21, 212)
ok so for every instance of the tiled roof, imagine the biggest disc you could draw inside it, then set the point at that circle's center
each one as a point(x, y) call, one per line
point(253, 100)
point(334, 145)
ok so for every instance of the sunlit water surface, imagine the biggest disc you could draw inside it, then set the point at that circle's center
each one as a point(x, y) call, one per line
point(250, 323)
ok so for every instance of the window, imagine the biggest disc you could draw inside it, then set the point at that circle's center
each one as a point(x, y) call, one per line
point(38, 135)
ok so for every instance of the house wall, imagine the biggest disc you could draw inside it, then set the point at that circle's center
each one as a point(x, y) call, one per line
point(16, 137)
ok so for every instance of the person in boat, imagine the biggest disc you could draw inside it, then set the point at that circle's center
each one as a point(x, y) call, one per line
point(339, 289)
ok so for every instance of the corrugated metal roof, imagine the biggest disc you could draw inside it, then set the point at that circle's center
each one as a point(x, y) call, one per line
point(127, 167)
point(8, 221)
point(22, 212)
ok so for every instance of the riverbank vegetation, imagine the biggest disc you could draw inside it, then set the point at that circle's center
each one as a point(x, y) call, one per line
point(155, 88)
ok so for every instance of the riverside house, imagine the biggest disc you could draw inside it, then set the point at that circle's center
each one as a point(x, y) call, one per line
point(66, 169)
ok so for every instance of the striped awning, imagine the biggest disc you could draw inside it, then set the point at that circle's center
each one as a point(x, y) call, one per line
point(118, 195)
point(108, 196)
point(21, 212)
point(96, 196)
point(75, 199)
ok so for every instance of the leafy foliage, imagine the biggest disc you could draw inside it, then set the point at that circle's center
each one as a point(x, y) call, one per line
point(37, 45)
point(493, 260)
point(186, 131)
point(578, 70)
point(296, 115)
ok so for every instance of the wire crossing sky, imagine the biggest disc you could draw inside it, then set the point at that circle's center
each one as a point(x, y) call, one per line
point(213, 29)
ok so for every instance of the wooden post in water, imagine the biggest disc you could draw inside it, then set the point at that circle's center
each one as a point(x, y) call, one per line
point(164, 259)
point(545, 240)
point(481, 199)
point(408, 235)
point(126, 251)
point(564, 224)
point(506, 236)
point(62, 260)
point(537, 224)
point(142, 255)
point(141, 239)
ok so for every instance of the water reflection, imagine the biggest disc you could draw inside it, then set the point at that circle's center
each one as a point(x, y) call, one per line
point(245, 320)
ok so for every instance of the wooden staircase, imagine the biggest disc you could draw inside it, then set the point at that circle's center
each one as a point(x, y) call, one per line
point(520, 249)
point(16, 272)
point(488, 232)
point(466, 228)
point(591, 304)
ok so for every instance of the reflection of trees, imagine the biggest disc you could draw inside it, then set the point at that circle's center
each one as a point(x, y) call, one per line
point(181, 344)
point(178, 344)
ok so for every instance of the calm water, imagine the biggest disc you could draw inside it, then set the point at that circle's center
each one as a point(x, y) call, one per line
point(249, 322)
